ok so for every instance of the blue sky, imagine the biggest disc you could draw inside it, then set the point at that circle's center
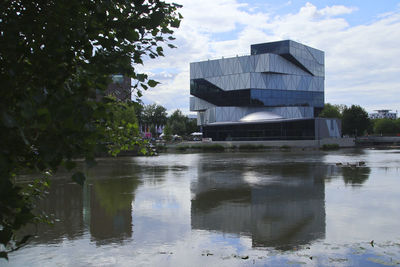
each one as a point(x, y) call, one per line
point(361, 40)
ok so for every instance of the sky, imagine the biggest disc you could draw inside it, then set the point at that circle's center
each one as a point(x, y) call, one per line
point(360, 38)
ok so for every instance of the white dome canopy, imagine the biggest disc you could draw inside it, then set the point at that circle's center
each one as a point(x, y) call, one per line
point(260, 116)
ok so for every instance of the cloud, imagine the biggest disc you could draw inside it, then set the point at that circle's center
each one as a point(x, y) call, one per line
point(361, 61)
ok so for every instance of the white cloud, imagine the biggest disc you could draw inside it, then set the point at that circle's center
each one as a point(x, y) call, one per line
point(361, 62)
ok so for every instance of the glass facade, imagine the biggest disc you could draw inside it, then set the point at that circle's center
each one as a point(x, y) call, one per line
point(307, 58)
point(285, 78)
point(278, 48)
point(273, 98)
point(203, 89)
point(282, 130)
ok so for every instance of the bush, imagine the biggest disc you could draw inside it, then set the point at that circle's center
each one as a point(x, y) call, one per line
point(330, 147)
point(161, 148)
point(251, 147)
point(182, 148)
point(385, 126)
point(215, 147)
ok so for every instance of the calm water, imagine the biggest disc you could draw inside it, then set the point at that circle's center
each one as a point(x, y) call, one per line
point(225, 209)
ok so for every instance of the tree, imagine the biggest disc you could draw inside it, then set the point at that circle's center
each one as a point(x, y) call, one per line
point(56, 59)
point(177, 122)
point(122, 128)
point(355, 121)
point(167, 133)
point(330, 111)
point(397, 123)
point(181, 124)
point(154, 115)
point(385, 126)
point(191, 126)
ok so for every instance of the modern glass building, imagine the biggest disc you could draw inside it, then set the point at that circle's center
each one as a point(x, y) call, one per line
point(279, 83)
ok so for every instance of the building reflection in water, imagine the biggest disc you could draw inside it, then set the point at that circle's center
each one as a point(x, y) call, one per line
point(277, 205)
point(102, 207)
point(64, 203)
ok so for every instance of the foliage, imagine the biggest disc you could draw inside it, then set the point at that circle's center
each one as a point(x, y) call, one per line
point(167, 133)
point(330, 111)
point(116, 196)
point(355, 121)
point(214, 147)
point(17, 203)
point(386, 126)
point(330, 147)
point(122, 130)
point(154, 115)
point(191, 126)
point(211, 147)
point(56, 59)
point(138, 110)
point(161, 148)
point(177, 122)
point(181, 124)
point(397, 123)
point(252, 147)
point(355, 176)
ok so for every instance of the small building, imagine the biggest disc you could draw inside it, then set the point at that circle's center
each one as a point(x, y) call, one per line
point(275, 93)
point(383, 114)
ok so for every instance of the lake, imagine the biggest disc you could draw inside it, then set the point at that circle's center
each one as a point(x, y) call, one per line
point(225, 209)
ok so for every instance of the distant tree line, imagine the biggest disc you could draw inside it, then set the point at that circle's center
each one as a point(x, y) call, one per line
point(153, 116)
point(355, 121)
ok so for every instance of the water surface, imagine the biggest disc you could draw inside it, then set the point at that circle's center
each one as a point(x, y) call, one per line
point(225, 209)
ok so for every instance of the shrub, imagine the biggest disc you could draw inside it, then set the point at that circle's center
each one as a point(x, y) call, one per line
point(215, 147)
point(330, 147)
point(182, 148)
point(251, 147)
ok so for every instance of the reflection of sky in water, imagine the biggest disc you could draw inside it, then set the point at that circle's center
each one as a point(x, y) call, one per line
point(226, 209)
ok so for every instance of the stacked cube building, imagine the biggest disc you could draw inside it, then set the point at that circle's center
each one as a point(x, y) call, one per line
point(276, 92)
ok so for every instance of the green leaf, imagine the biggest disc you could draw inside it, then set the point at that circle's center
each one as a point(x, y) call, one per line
point(42, 111)
point(175, 23)
point(9, 121)
point(79, 178)
point(152, 83)
point(159, 50)
point(70, 165)
point(145, 87)
point(141, 77)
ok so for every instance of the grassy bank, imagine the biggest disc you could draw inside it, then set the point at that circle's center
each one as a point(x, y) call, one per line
point(222, 148)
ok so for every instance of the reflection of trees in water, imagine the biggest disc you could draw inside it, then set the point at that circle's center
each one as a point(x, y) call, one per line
point(153, 174)
point(64, 203)
point(111, 190)
point(116, 194)
point(111, 209)
point(355, 176)
point(278, 204)
point(103, 204)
